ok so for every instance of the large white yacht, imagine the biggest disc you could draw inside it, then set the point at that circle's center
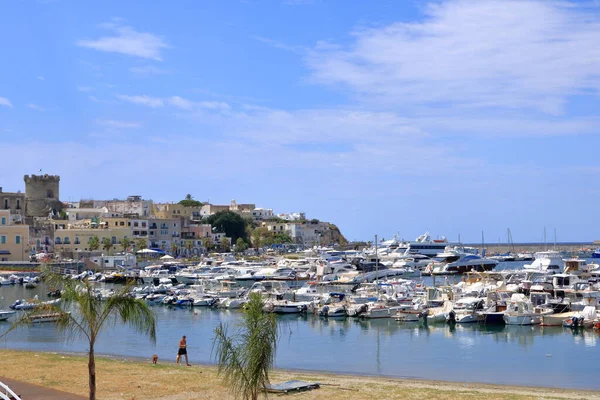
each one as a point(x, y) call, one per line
point(458, 262)
point(547, 261)
point(422, 245)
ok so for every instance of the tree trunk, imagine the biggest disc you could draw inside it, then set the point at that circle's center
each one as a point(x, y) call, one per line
point(92, 373)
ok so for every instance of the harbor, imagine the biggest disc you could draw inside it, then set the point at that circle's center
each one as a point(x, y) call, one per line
point(380, 318)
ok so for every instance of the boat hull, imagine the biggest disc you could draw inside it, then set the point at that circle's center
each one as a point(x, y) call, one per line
point(522, 319)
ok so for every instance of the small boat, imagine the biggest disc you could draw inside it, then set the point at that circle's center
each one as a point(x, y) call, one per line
point(48, 317)
point(583, 319)
point(30, 305)
point(5, 282)
point(30, 285)
point(288, 307)
point(465, 310)
point(520, 312)
point(4, 315)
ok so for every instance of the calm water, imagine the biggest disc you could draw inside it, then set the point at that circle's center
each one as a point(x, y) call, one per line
point(554, 357)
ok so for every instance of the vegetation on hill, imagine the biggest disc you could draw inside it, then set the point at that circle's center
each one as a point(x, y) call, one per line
point(190, 202)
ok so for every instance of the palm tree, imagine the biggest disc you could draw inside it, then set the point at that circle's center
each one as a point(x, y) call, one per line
point(246, 357)
point(225, 244)
point(189, 197)
point(188, 247)
point(141, 244)
point(89, 315)
point(125, 244)
point(174, 248)
point(94, 243)
point(106, 244)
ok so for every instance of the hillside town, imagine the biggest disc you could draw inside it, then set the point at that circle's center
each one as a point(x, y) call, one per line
point(35, 224)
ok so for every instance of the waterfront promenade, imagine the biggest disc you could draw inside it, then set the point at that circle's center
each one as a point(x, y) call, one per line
point(119, 378)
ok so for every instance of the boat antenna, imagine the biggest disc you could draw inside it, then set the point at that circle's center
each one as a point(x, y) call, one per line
point(376, 268)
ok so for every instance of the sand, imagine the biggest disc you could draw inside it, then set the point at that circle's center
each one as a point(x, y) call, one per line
point(119, 378)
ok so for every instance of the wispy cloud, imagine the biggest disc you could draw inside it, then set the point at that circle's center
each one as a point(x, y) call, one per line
point(126, 40)
point(41, 78)
point(280, 45)
point(175, 101)
point(143, 100)
point(119, 124)
point(85, 89)
point(186, 104)
point(5, 102)
point(147, 70)
point(527, 54)
point(35, 107)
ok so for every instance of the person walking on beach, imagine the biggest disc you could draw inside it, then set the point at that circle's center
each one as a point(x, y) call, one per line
point(182, 351)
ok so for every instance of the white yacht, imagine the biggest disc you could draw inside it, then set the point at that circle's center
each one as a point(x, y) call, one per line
point(458, 262)
point(425, 246)
point(546, 261)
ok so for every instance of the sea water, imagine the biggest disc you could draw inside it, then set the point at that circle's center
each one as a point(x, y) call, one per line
point(517, 355)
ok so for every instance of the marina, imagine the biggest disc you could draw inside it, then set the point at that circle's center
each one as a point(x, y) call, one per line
point(488, 327)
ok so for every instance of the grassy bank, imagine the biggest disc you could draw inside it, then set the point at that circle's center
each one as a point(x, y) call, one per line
point(134, 379)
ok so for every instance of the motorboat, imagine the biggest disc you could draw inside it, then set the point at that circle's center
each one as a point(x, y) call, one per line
point(458, 262)
point(5, 314)
point(30, 305)
point(437, 314)
point(583, 319)
point(465, 310)
point(46, 317)
point(495, 307)
point(288, 307)
point(5, 281)
point(550, 261)
point(519, 311)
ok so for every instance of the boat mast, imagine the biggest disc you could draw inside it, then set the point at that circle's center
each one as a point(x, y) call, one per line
point(376, 268)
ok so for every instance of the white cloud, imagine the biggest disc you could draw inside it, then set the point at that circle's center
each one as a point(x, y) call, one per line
point(147, 70)
point(528, 54)
point(127, 40)
point(35, 107)
point(5, 102)
point(143, 100)
point(41, 78)
point(176, 101)
point(85, 89)
point(118, 124)
point(180, 102)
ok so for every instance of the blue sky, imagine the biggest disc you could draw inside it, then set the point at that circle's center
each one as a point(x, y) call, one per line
point(455, 117)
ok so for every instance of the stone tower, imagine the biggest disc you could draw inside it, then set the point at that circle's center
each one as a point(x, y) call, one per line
point(41, 195)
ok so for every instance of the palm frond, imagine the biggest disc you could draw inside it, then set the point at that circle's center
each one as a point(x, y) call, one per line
point(246, 357)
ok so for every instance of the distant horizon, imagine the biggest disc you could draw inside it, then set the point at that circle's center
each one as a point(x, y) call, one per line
point(451, 116)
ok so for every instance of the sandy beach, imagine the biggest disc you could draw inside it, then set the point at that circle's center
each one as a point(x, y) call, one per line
point(126, 378)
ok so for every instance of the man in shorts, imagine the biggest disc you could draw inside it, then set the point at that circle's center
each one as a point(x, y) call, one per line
point(182, 351)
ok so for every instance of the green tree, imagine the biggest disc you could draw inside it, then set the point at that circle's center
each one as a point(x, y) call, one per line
point(190, 202)
point(174, 248)
point(225, 245)
point(106, 244)
point(206, 243)
point(94, 243)
point(89, 315)
point(140, 244)
point(240, 245)
point(188, 247)
point(228, 222)
point(125, 244)
point(246, 358)
point(256, 238)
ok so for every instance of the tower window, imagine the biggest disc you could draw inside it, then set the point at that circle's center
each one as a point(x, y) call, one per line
point(50, 194)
